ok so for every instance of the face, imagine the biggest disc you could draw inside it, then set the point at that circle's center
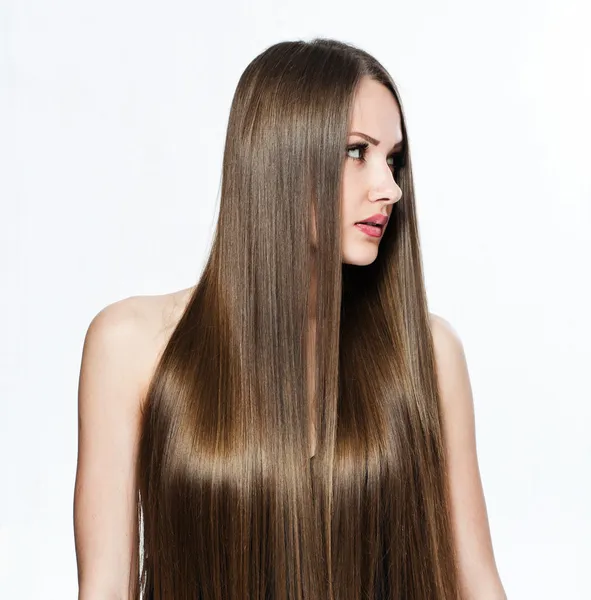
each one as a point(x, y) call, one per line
point(371, 167)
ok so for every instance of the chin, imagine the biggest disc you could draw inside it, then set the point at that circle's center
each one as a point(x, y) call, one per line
point(360, 257)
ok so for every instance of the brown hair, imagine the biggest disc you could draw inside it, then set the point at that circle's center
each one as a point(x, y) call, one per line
point(230, 505)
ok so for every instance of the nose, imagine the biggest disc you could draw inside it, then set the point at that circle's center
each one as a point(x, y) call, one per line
point(385, 188)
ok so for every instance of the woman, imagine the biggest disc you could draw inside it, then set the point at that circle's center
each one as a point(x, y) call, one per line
point(297, 425)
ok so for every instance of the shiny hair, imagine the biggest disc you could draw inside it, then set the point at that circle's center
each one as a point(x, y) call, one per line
point(230, 505)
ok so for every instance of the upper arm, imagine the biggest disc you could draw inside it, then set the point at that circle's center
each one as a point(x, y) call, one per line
point(109, 391)
point(478, 572)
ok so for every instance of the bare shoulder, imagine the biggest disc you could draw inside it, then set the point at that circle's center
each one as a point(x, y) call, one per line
point(120, 350)
point(452, 370)
point(445, 336)
point(135, 330)
point(120, 336)
point(453, 379)
point(478, 570)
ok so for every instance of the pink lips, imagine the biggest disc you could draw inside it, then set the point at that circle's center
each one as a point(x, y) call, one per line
point(377, 219)
point(371, 230)
point(374, 225)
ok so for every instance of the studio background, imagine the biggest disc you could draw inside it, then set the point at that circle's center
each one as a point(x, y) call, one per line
point(112, 124)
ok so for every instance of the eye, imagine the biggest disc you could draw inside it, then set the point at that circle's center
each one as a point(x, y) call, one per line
point(360, 148)
point(395, 161)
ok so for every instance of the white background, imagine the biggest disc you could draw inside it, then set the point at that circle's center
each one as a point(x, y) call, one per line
point(112, 121)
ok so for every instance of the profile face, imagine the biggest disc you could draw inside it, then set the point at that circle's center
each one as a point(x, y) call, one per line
point(369, 187)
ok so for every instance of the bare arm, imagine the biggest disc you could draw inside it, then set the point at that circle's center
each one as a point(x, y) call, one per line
point(478, 571)
point(109, 395)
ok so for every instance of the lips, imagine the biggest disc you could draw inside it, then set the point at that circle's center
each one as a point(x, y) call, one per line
point(371, 230)
point(377, 220)
point(368, 223)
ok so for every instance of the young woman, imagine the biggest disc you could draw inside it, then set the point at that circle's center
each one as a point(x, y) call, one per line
point(297, 425)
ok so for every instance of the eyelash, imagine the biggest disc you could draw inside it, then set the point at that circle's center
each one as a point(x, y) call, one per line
point(363, 146)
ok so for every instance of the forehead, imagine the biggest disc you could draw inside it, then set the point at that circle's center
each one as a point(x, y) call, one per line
point(376, 112)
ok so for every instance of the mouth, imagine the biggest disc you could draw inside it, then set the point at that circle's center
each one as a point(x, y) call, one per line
point(370, 228)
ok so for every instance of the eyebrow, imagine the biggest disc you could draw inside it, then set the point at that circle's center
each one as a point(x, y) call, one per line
point(375, 142)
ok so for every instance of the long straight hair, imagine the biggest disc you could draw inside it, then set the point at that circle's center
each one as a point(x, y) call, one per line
point(230, 505)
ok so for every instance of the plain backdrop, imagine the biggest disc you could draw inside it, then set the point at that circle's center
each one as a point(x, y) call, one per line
point(112, 123)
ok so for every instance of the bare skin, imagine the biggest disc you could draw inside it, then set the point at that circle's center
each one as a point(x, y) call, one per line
point(162, 314)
